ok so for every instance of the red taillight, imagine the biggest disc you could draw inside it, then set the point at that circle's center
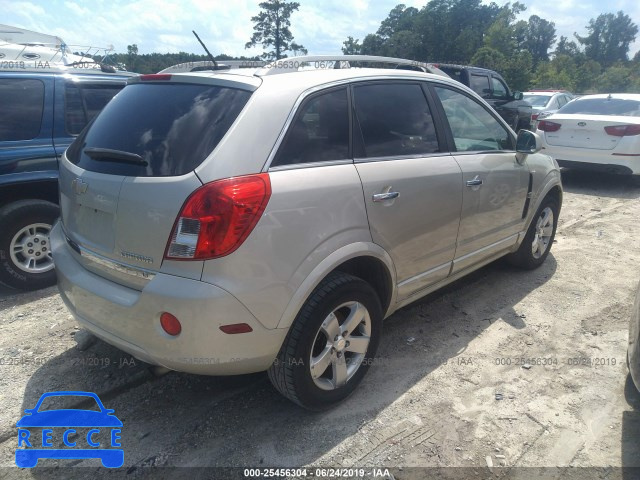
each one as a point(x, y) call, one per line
point(534, 116)
point(153, 77)
point(623, 130)
point(170, 324)
point(218, 217)
point(236, 328)
point(547, 126)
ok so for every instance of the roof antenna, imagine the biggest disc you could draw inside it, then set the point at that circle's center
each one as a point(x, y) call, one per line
point(215, 64)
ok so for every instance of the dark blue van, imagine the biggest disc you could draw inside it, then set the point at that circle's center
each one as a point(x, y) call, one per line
point(41, 111)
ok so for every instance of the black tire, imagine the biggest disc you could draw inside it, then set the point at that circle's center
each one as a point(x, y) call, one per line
point(13, 218)
point(524, 257)
point(291, 371)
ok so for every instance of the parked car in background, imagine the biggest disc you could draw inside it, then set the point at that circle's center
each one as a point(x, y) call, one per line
point(43, 110)
point(633, 352)
point(232, 222)
point(596, 132)
point(546, 102)
point(494, 90)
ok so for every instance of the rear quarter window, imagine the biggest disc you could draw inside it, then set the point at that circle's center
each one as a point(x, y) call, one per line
point(21, 104)
point(84, 102)
point(172, 127)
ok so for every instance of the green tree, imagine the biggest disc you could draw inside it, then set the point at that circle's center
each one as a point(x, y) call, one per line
point(271, 29)
point(540, 37)
point(566, 47)
point(517, 71)
point(400, 18)
point(132, 54)
point(616, 79)
point(488, 57)
point(351, 46)
point(504, 35)
point(372, 44)
point(609, 37)
point(586, 76)
point(560, 73)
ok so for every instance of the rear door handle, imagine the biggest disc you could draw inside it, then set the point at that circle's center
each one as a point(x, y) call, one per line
point(475, 182)
point(381, 197)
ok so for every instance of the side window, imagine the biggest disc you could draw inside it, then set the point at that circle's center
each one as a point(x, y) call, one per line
point(472, 126)
point(480, 85)
point(562, 100)
point(22, 104)
point(395, 120)
point(82, 104)
point(320, 131)
point(499, 88)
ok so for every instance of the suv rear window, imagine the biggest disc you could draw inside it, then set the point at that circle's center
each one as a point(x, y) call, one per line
point(603, 106)
point(22, 103)
point(172, 127)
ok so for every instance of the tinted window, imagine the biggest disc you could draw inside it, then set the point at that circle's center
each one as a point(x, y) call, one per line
point(480, 85)
point(472, 126)
point(82, 104)
point(536, 100)
point(173, 127)
point(603, 106)
point(499, 88)
point(21, 104)
point(320, 131)
point(395, 120)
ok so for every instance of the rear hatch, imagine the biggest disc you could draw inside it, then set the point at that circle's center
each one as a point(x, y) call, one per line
point(584, 131)
point(125, 178)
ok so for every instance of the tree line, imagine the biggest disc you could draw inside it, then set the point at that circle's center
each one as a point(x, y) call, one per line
point(527, 53)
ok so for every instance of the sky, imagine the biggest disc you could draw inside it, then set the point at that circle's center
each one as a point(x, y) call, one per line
point(225, 26)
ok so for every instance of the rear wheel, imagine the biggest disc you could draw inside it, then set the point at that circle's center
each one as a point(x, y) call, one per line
point(539, 237)
point(331, 343)
point(25, 252)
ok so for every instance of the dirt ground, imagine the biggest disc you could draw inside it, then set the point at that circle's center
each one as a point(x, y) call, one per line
point(504, 369)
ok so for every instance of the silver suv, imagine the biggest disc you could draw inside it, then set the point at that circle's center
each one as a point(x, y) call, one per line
point(240, 221)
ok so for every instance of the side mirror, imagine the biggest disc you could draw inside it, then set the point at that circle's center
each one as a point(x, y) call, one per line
point(518, 96)
point(526, 144)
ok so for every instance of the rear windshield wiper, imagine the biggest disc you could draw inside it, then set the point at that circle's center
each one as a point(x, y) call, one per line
point(109, 155)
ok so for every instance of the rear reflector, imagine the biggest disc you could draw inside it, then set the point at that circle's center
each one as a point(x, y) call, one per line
point(547, 126)
point(236, 328)
point(623, 130)
point(154, 77)
point(218, 217)
point(170, 324)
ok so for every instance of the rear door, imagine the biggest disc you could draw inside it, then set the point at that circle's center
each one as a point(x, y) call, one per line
point(125, 178)
point(26, 118)
point(412, 185)
point(494, 184)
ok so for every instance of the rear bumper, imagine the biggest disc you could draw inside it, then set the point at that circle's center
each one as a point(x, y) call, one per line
point(598, 160)
point(130, 319)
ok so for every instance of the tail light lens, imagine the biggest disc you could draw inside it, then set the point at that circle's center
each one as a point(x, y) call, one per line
point(534, 116)
point(623, 130)
point(218, 217)
point(547, 126)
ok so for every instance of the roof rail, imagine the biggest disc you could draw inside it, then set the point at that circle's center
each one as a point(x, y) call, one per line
point(208, 66)
point(307, 62)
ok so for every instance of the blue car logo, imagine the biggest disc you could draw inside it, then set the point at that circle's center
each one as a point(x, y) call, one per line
point(98, 430)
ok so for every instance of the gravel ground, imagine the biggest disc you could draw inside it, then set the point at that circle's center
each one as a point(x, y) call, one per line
point(502, 369)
